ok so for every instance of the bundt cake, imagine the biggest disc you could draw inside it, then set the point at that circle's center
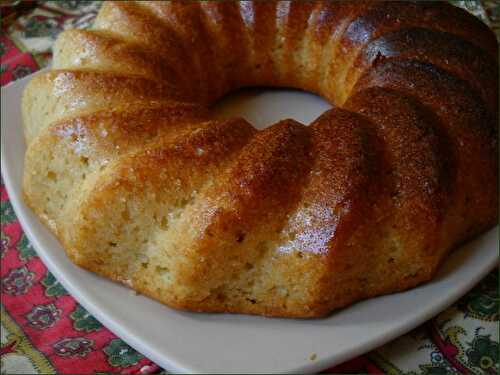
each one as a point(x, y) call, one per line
point(142, 184)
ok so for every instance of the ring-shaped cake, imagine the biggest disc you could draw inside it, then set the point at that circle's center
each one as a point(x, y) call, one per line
point(141, 184)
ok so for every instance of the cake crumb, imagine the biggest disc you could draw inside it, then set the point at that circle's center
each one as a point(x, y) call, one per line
point(313, 356)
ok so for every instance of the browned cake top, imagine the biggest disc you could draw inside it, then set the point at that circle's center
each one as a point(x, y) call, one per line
point(212, 215)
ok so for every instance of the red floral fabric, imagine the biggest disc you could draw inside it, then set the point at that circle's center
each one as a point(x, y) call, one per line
point(15, 63)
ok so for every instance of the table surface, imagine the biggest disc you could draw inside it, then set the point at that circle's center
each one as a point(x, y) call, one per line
point(44, 330)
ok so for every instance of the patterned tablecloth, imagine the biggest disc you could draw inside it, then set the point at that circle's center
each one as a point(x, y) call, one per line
point(44, 330)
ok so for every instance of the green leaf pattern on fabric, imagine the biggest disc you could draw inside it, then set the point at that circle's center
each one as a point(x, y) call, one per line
point(483, 354)
point(83, 321)
point(482, 302)
point(25, 248)
point(7, 213)
point(121, 355)
point(52, 287)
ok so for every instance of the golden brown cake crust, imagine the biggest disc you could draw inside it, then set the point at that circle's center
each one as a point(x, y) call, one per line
point(212, 215)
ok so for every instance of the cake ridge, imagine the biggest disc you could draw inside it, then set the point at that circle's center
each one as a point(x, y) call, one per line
point(102, 50)
point(136, 23)
point(439, 48)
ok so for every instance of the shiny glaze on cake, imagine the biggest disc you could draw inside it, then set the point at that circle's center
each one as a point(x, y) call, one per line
point(141, 184)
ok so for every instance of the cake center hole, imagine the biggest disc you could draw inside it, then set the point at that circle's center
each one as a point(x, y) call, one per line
point(264, 107)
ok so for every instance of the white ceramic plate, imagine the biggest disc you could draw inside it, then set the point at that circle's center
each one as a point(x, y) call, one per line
point(214, 343)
